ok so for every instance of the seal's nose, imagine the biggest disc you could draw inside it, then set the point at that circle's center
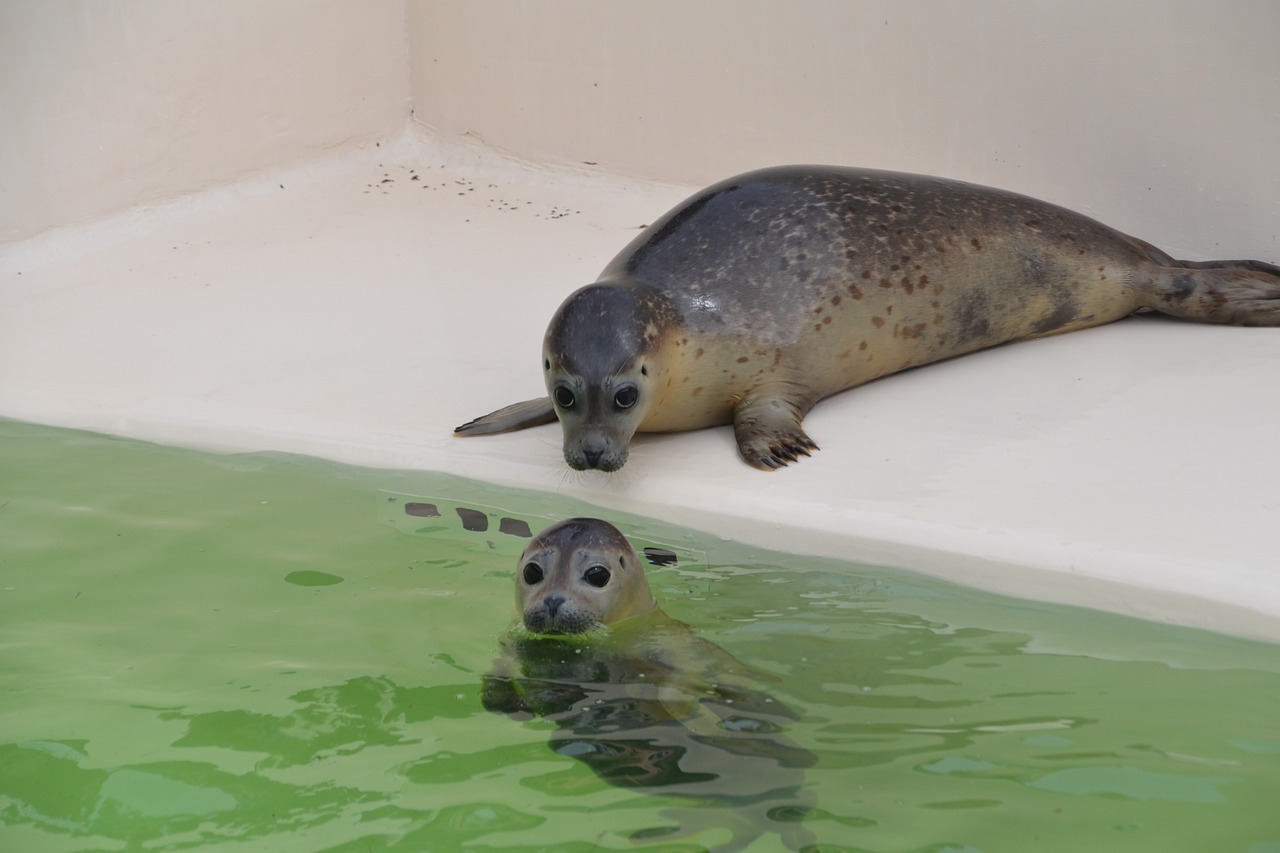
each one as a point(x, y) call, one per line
point(593, 455)
point(552, 603)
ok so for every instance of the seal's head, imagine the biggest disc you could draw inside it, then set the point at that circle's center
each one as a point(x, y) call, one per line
point(602, 357)
point(578, 576)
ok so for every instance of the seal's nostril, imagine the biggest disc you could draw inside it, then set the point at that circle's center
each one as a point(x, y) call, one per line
point(553, 604)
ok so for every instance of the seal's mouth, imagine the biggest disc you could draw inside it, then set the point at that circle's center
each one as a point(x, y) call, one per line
point(595, 453)
point(603, 463)
point(553, 617)
point(587, 635)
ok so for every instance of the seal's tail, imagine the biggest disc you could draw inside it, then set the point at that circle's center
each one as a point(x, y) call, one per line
point(1238, 293)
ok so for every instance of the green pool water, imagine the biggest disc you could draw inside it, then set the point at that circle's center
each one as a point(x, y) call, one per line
point(267, 652)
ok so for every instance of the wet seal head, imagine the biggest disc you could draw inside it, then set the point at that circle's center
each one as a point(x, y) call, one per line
point(578, 577)
point(601, 359)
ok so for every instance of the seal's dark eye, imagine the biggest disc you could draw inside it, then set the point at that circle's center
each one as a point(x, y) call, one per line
point(597, 576)
point(564, 397)
point(532, 574)
point(626, 397)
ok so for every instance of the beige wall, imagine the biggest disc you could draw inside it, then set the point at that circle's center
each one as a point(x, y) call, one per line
point(1160, 116)
point(106, 104)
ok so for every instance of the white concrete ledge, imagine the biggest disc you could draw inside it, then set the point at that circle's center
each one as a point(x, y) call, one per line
point(360, 308)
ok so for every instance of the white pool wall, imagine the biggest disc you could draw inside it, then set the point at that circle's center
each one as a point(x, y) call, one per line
point(198, 248)
point(1158, 115)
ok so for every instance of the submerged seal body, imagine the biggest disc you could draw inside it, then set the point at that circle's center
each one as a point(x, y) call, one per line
point(639, 697)
point(759, 296)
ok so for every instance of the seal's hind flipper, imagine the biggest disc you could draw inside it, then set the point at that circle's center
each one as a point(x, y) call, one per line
point(1239, 293)
point(530, 413)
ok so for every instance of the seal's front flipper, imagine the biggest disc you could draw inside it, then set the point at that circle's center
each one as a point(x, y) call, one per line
point(1239, 293)
point(769, 433)
point(530, 413)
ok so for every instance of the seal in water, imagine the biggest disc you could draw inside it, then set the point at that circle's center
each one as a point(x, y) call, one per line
point(761, 295)
point(639, 697)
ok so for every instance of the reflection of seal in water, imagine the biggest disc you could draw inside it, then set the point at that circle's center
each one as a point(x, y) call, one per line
point(763, 294)
point(639, 697)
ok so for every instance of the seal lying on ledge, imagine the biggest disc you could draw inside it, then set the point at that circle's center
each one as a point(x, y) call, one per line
point(759, 296)
point(639, 697)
